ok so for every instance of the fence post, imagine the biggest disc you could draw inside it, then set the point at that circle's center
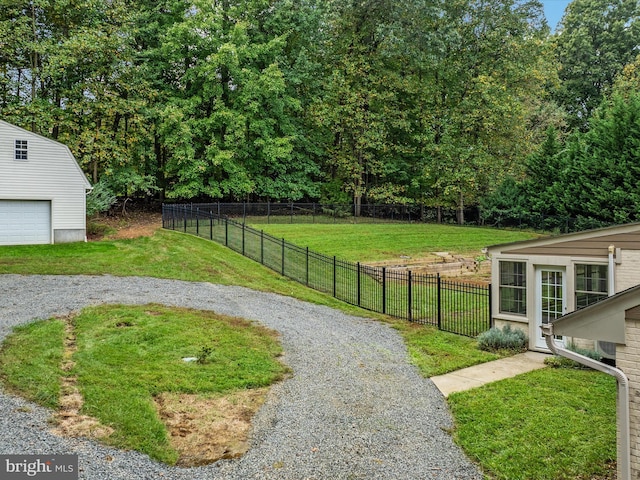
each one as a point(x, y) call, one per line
point(283, 257)
point(243, 226)
point(409, 299)
point(384, 290)
point(210, 225)
point(334, 275)
point(490, 307)
point(262, 247)
point(439, 303)
point(307, 267)
point(185, 220)
point(358, 276)
point(197, 222)
point(226, 232)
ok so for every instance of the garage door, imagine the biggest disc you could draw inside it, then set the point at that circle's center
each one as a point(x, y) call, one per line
point(25, 222)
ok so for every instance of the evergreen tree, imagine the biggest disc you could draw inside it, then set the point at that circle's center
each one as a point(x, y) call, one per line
point(602, 179)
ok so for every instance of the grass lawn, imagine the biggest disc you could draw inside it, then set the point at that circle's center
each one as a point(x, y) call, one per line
point(166, 254)
point(375, 242)
point(127, 356)
point(30, 361)
point(551, 424)
point(496, 424)
point(435, 352)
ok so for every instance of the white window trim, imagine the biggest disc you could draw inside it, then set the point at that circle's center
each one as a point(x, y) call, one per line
point(21, 150)
point(522, 288)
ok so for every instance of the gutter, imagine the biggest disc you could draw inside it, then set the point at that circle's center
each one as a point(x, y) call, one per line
point(624, 447)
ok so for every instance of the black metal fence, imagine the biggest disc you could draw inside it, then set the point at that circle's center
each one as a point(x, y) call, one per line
point(268, 212)
point(452, 306)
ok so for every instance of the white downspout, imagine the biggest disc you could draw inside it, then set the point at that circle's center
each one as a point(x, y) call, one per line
point(611, 273)
point(624, 451)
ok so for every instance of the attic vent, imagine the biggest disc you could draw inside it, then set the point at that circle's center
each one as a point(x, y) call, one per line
point(607, 349)
point(21, 150)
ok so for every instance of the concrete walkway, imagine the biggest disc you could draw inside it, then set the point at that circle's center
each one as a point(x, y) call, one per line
point(478, 375)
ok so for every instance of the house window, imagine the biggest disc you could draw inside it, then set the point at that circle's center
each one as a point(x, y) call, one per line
point(21, 150)
point(591, 284)
point(513, 287)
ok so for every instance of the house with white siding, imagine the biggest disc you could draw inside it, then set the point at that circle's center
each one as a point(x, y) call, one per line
point(537, 281)
point(42, 190)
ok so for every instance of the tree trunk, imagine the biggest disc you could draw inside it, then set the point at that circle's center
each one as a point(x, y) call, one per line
point(461, 210)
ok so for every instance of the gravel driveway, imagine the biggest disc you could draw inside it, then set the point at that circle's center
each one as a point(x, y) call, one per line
point(353, 409)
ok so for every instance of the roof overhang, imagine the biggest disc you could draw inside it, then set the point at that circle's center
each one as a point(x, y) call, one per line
point(603, 321)
point(555, 239)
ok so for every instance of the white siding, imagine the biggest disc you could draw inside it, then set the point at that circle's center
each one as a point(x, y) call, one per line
point(50, 173)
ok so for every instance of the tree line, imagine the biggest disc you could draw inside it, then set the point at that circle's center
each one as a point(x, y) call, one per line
point(446, 103)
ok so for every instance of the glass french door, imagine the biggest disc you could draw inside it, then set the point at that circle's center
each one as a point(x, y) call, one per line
point(551, 301)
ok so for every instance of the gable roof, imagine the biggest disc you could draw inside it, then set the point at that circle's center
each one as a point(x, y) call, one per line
point(28, 134)
point(594, 243)
point(600, 321)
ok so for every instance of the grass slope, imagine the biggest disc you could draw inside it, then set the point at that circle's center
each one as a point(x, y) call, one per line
point(166, 254)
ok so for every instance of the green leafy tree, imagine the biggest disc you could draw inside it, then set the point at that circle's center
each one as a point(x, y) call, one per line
point(487, 79)
point(230, 126)
point(74, 78)
point(595, 40)
point(361, 107)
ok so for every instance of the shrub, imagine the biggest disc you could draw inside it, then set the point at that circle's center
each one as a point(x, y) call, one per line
point(508, 338)
point(204, 355)
point(592, 354)
point(98, 229)
point(562, 362)
point(99, 199)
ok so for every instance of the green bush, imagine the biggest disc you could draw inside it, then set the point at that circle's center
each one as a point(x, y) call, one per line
point(562, 362)
point(508, 338)
point(99, 229)
point(592, 354)
point(100, 199)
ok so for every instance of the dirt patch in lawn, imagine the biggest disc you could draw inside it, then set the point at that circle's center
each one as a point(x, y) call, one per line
point(129, 225)
point(204, 429)
point(68, 419)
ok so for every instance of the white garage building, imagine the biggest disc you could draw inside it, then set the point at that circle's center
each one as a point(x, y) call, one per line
point(42, 190)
